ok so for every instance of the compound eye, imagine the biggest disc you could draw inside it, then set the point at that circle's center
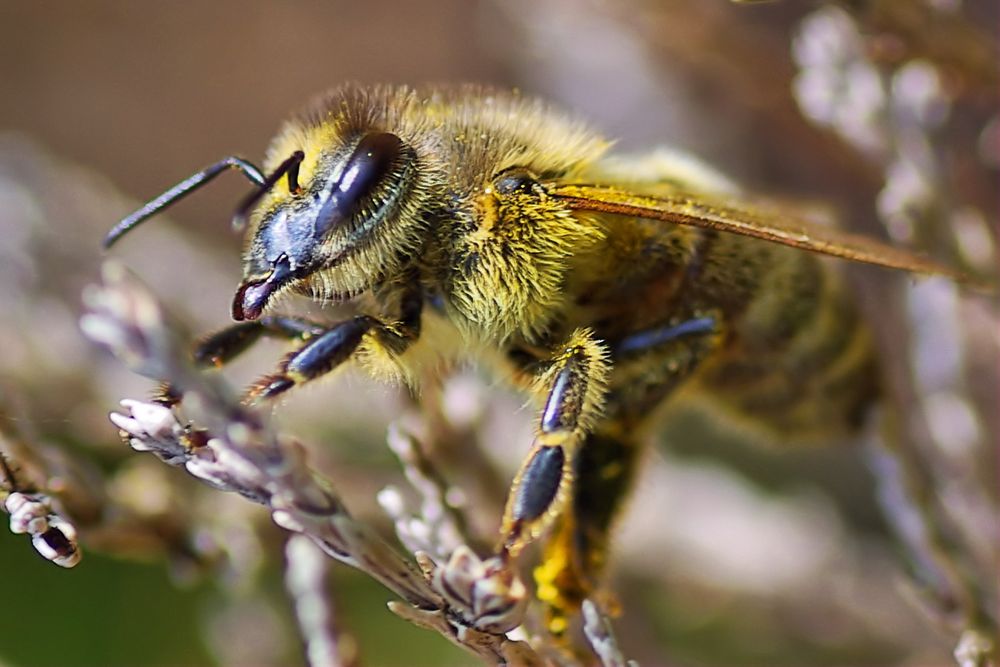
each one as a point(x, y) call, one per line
point(372, 161)
point(517, 180)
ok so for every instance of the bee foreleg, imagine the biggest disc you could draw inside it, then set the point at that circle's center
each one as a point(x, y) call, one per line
point(221, 347)
point(328, 348)
point(320, 355)
point(575, 385)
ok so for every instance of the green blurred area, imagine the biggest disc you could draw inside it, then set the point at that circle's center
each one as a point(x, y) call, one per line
point(110, 612)
point(103, 612)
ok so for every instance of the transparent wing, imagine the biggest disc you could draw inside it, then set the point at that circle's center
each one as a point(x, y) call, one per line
point(766, 223)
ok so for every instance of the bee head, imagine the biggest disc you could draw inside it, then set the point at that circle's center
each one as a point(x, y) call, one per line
point(349, 221)
point(335, 233)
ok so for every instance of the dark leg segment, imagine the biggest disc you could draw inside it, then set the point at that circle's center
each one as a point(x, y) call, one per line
point(575, 393)
point(539, 483)
point(223, 346)
point(319, 356)
point(646, 340)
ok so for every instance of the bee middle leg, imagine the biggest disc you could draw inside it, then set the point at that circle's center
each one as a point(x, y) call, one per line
point(649, 365)
point(575, 385)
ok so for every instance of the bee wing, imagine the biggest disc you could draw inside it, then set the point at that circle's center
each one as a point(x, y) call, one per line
point(768, 224)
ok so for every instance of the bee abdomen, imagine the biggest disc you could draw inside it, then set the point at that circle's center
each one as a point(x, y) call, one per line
point(801, 362)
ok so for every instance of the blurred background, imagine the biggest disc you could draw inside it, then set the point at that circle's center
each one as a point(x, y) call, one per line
point(885, 111)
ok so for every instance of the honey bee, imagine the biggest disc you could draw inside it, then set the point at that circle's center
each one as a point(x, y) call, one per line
point(466, 222)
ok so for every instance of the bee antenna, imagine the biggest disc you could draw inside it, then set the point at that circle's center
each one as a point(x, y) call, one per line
point(290, 167)
point(180, 191)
